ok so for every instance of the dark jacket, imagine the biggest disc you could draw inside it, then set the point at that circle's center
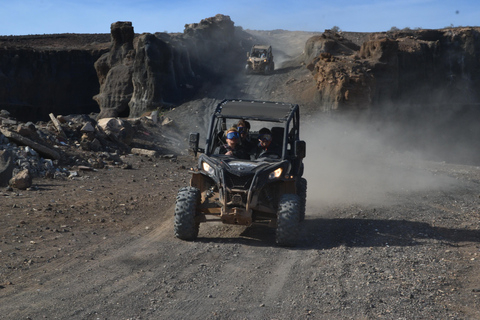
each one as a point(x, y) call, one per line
point(249, 145)
point(271, 151)
point(239, 151)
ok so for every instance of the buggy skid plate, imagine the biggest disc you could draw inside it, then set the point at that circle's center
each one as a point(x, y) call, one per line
point(237, 216)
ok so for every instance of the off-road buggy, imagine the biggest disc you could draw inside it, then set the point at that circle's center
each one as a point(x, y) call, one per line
point(260, 60)
point(269, 190)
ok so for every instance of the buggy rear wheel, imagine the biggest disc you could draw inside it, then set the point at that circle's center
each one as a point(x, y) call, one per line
point(288, 220)
point(302, 193)
point(185, 226)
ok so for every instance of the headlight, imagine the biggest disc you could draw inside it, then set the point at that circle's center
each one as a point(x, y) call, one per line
point(275, 174)
point(208, 168)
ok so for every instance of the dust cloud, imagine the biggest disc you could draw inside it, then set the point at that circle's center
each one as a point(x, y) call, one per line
point(352, 162)
point(286, 45)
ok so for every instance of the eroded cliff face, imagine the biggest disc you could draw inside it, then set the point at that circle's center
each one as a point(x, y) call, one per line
point(158, 70)
point(424, 67)
point(114, 71)
point(47, 74)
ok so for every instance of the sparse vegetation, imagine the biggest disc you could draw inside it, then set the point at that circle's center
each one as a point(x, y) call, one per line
point(406, 29)
point(336, 29)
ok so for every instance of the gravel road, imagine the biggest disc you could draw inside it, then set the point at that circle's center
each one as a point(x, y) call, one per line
point(102, 247)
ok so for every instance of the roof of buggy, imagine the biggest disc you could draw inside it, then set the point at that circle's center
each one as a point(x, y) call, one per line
point(250, 109)
point(261, 47)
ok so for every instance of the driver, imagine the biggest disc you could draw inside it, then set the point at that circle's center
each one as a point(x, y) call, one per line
point(233, 146)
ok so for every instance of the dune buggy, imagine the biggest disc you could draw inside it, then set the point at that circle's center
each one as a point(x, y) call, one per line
point(260, 60)
point(269, 190)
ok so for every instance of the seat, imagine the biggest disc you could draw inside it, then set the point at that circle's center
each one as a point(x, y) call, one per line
point(277, 136)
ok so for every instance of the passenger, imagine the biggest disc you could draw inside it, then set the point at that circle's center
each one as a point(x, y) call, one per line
point(233, 147)
point(243, 128)
point(265, 147)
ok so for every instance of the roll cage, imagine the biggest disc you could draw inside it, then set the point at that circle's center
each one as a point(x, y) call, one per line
point(282, 119)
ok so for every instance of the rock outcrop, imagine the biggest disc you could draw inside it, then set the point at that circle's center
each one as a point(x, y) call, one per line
point(154, 71)
point(114, 71)
point(412, 68)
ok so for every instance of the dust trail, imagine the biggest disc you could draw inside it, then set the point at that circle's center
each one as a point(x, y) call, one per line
point(286, 45)
point(350, 162)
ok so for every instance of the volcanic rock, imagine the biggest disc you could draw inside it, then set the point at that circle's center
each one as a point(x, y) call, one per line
point(6, 167)
point(413, 67)
point(21, 180)
point(159, 69)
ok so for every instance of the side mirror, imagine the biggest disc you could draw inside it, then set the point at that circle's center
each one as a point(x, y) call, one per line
point(300, 149)
point(248, 54)
point(193, 140)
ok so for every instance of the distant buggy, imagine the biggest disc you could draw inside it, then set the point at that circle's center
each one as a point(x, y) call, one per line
point(269, 190)
point(260, 60)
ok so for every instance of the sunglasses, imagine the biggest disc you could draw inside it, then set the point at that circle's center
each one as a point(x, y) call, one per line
point(232, 135)
point(265, 137)
point(241, 129)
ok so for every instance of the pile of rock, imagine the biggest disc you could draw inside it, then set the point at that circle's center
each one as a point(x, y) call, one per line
point(61, 147)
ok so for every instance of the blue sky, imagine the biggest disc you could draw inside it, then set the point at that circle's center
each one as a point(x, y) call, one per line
point(22, 17)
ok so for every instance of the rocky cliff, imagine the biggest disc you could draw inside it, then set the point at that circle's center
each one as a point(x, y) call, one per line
point(421, 67)
point(155, 71)
point(44, 74)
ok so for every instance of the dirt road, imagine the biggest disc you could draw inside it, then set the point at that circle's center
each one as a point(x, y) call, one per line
point(387, 235)
point(102, 247)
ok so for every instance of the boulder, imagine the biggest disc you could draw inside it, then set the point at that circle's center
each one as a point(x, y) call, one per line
point(117, 130)
point(21, 180)
point(87, 128)
point(6, 167)
point(144, 152)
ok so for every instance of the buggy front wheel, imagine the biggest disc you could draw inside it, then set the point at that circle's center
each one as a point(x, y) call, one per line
point(185, 226)
point(288, 220)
